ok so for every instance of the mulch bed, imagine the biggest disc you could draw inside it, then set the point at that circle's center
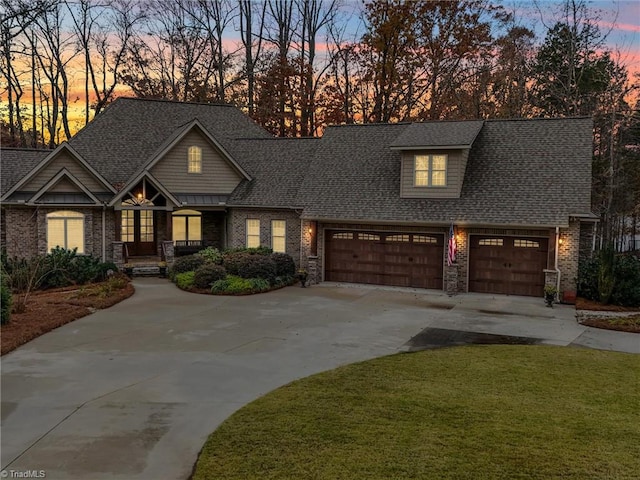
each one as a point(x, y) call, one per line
point(621, 323)
point(50, 309)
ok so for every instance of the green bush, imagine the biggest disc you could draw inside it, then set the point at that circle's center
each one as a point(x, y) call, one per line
point(185, 280)
point(234, 285)
point(258, 266)
point(6, 301)
point(65, 267)
point(24, 274)
point(207, 274)
point(259, 285)
point(188, 263)
point(232, 260)
point(284, 280)
point(212, 255)
point(625, 290)
point(251, 251)
point(284, 264)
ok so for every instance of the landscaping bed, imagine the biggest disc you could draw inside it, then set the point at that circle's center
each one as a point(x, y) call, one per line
point(608, 317)
point(50, 309)
point(239, 271)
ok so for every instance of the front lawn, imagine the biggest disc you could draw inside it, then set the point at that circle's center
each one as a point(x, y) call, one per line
point(480, 412)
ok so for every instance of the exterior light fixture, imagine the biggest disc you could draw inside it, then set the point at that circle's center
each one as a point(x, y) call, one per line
point(310, 230)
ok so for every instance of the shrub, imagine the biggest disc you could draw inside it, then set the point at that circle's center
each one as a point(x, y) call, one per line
point(235, 285)
point(232, 260)
point(258, 266)
point(259, 285)
point(66, 267)
point(188, 263)
point(185, 280)
point(606, 275)
point(625, 290)
point(208, 273)
point(251, 251)
point(284, 264)
point(587, 285)
point(5, 302)
point(212, 255)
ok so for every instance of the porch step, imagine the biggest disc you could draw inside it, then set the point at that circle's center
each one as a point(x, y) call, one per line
point(146, 271)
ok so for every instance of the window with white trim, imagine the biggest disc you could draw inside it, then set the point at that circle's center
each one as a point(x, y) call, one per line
point(278, 235)
point(430, 170)
point(186, 225)
point(253, 233)
point(65, 229)
point(195, 159)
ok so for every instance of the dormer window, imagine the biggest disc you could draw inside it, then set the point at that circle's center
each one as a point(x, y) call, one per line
point(195, 159)
point(430, 170)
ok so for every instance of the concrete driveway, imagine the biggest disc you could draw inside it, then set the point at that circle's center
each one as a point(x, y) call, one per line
point(132, 392)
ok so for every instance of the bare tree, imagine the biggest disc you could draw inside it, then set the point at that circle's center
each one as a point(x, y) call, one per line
point(252, 43)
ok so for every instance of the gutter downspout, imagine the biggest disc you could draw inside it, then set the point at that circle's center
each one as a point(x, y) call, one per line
point(104, 233)
point(556, 261)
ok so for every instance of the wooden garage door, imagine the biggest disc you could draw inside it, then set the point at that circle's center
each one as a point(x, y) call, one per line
point(400, 259)
point(509, 265)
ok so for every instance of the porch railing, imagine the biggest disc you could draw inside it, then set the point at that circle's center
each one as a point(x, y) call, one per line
point(188, 247)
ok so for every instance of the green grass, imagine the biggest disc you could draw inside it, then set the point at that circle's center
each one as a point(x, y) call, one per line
point(482, 412)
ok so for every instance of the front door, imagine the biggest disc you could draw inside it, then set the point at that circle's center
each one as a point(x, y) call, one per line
point(137, 232)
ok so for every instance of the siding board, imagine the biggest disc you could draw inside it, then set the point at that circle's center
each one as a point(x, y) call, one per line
point(217, 177)
point(62, 160)
point(456, 165)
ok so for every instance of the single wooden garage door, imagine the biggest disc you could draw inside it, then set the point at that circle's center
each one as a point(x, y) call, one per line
point(400, 259)
point(508, 265)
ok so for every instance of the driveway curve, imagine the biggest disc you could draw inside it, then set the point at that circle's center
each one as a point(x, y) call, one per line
point(133, 391)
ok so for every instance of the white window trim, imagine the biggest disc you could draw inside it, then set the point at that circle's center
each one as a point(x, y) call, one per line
point(194, 159)
point(430, 171)
point(284, 236)
point(252, 235)
point(64, 216)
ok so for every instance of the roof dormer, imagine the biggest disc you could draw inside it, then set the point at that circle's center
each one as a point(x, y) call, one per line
point(434, 158)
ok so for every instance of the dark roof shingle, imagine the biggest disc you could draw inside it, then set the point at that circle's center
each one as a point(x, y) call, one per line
point(438, 134)
point(524, 172)
point(16, 163)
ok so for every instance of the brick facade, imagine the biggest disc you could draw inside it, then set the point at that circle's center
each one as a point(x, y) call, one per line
point(237, 229)
point(568, 256)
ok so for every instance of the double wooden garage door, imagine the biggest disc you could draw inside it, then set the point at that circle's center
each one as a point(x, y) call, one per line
point(497, 264)
point(508, 265)
point(400, 259)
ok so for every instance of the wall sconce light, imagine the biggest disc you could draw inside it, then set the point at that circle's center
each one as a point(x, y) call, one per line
point(560, 241)
point(310, 230)
point(140, 196)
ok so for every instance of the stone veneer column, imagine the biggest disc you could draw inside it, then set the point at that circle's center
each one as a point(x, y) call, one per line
point(312, 269)
point(169, 252)
point(451, 279)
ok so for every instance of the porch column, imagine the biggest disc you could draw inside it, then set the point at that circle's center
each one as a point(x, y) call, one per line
point(169, 226)
point(118, 225)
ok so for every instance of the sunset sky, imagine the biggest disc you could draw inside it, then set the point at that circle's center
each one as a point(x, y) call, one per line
point(620, 19)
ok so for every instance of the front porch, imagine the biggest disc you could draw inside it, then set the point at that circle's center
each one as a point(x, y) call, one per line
point(149, 236)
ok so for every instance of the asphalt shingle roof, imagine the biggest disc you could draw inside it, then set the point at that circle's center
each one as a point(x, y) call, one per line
point(277, 167)
point(525, 172)
point(438, 134)
point(16, 163)
point(128, 133)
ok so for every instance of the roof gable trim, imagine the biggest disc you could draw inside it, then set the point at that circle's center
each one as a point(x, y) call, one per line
point(45, 161)
point(180, 134)
point(161, 188)
point(64, 173)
